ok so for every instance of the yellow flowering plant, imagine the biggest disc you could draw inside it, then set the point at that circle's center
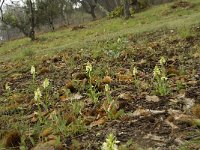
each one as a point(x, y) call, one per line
point(107, 92)
point(7, 89)
point(162, 61)
point(136, 80)
point(161, 81)
point(45, 85)
point(92, 93)
point(110, 143)
point(33, 72)
point(37, 98)
point(88, 70)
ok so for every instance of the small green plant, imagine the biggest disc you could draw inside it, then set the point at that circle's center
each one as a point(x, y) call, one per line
point(112, 105)
point(37, 98)
point(60, 123)
point(110, 143)
point(107, 92)
point(77, 126)
point(114, 48)
point(28, 53)
point(136, 80)
point(161, 84)
point(88, 69)
point(38, 93)
point(8, 90)
point(45, 86)
point(180, 85)
point(182, 70)
point(185, 32)
point(23, 144)
point(78, 84)
point(193, 72)
point(92, 93)
point(33, 72)
point(9, 94)
point(117, 115)
point(76, 107)
point(58, 141)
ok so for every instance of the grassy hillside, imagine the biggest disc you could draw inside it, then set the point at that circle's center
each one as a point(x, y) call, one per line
point(138, 79)
point(150, 20)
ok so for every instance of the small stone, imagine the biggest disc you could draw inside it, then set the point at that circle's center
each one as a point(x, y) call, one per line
point(152, 98)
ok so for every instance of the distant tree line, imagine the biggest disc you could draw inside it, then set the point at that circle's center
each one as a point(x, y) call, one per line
point(27, 15)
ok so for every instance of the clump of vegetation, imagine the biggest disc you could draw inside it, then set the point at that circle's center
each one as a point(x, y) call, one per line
point(185, 32)
point(136, 80)
point(111, 106)
point(117, 12)
point(143, 4)
point(29, 53)
point(111, 143)
point(159, 73)
point(114, 48)
point(92, 92)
